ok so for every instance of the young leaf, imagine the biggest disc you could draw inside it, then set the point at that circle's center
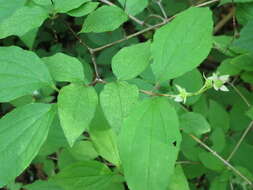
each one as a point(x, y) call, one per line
point(104, 138)
point(131, 61)
point(76, 106)
point(84, 9)
point(26, 17)
point(117, 99)
point(182, 44)
point(21, 72)
point(134, 7)
point(88, 175)
point(63, 6)
point(149, 144)
point(22, 133)
point(64, 68)
point(105, 18)
point(194, 123)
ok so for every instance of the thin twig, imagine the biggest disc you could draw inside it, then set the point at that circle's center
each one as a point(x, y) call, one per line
point(155, 94)
point(187, 162)
point(91, 51)
point(224, 20)
point(132, 35)
point(154, 16)
point(222, 159)
point(130, 16)
point(159, 3)
point(241, 95)
point(207, 3)
point(231, 186)
point(240, 141)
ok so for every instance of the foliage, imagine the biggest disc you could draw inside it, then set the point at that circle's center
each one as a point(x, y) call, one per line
point(126, 94)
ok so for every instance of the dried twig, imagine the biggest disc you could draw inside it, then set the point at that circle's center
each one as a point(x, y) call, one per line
point(159, 3)
point(207, 3)
point(223, 160)
point(240, 141)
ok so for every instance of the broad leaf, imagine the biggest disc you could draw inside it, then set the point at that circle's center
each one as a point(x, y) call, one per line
point(88, 175)
point(30, 37)
point(194, 123)
point(178, 181)
point(26, 17)
point(63, 6)
point(134, 7)
point(244, 43)
point(244, 12)
point(105, 18)
point(117, 99)
point(182, 44)
point(43, 185)
point(131, 61)
point(22, 133)
point(76, 106)
point(149, 145)
point(104, 138)
point(243, 62)
point(65, 68)
point(21, 72)
point(217, 116)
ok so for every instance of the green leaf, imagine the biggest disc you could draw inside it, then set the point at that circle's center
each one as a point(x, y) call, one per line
point(217, 116)
point(84, 9)
point(182, 44)
point(244, 12)
point(22, 133)
point(243, 62)
point(249, 113)
point(21, 73)
point(81, 151)
point(134, 7)
point(211, 162)
point(194, 123)
point(29, 37)
point(131, 61)
point(65, 68)
point(218, 139)
point(244, 43)
point(7, 8)
point(149, 145)
point(234, 1)
point(76, 106)
point(105, 18)
point(117, 100)
point(220, 182)
point(55, 140)
point(226, 68)
point(104, 138)
point(43, 185)
point(88, 175)
point(178, 180)
point(247, 77)
point(63, 6)
point(25, 17)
